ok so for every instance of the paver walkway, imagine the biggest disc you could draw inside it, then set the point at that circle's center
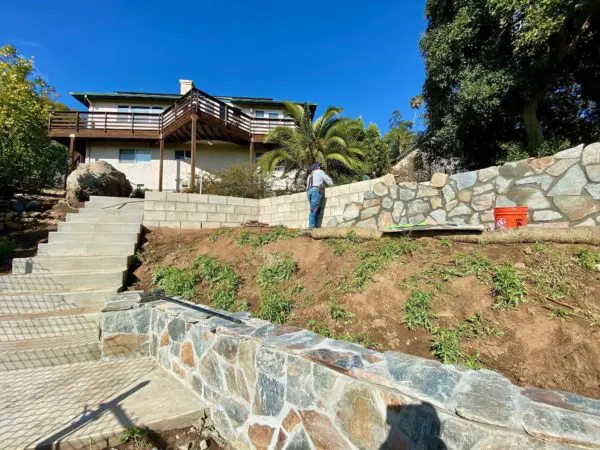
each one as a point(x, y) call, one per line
point(54, 389)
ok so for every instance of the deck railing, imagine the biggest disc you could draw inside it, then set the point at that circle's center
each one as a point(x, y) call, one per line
point(195, 101)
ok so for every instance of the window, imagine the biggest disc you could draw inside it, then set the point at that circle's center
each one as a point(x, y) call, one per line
point(128, 109)
point(273, 115)
point(135, 156)
point(259, 114)
point(183, 155)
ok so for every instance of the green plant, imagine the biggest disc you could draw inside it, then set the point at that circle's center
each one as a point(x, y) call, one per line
point(245, 237)
point(275, 306)
point(550, 273)
point(509, 290)
point(562, 313)
point(472, 361)
point(176, 281)
point(445, 345)
point(221, 278)
point(242, 305)
point(309, 300)
point(277, 269)
point(351, 236)
point(338, 313)
point(469, 264)
point(477, 326)
point(588, 259)
point(417, 311)
point(317, 327)
point(214, 236)
point(445, 242)
point(7, 247)
point(298, 288)
point(361, 339)
point(134, 434)
point(237, 181)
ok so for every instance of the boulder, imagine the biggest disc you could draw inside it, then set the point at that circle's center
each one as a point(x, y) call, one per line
point(97, 178)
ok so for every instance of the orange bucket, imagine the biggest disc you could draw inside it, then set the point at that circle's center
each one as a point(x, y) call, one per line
point(510, 217)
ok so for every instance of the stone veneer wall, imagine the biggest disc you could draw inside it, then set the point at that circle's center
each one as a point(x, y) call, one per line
point(561, 190)
point(279, 387)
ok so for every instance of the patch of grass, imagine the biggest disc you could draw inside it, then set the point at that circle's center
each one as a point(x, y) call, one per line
point(445, 345)
point(214, 236)
point(135, 434)
point(509, 290)
point(309, 300)
point(586, 259)
point(361, 339)
point(7, 247)
point(417, 311)
point(353, 237)
point(298, 289)
point(244, 238)
point(472, 361)
point(275, 306)
point(467, 264)
point(561, 313)
point(319, 328)
point(176, 281)
point(445, 242)
point(339, 314)
point(477, 326)
point(550, 273)
point(278, 268)
point(222, 279)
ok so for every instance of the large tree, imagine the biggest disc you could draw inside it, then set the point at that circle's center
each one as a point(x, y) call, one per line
point(509, 71)
point(29, 160)
point(326, 141)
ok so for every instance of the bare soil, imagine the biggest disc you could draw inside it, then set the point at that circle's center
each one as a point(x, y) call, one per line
point(188, 438)
point(535, 349)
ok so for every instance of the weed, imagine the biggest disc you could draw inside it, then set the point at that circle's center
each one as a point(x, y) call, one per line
point(134, 434)
point(214, 236)
point(561, 313)
point(275, 306)
point(7, 247)
point(277, 269)
point(309, 300)
point(445, 345)
point(353, 237)
point(319, 328)
point(509, 290)
point(222, 279)
point(417, 311)
point(469, 264)
point(551, 273)
point(298, 288)
point(242, 305)
point(244, 238)
point(472, 361)
point(176, 281)
point(588, 259)
point(477, 326)
point(361, 339)
point(540, 247)
point(337, 246)
point(339, 314)
point(445, 242)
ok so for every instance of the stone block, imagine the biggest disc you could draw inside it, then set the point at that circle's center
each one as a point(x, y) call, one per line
point(387, 203)
point(217, 199)
point(155, 195)
point(235, 218)
point(352, 211)
point(164, 206)
point(251, 202)
point(574, 152)
point(464, 180)
point(425, 190)
point(369, 223)
point(594, 190)
point(148, 206)
point(248, 209)
point(169, 224)
point(385, 220)
point(488, 173)
point(372, 202)
point(197, 198)
point(449, 193)
point(546, 216)
point(464, 196)
point(369, 212)
point(239, 201)
point(483, 202)
point(397, 211)
point(559, 167)
point(406, 192)
point(591, 154)
point(154, 215)
point(418, 207)
point(269, 396)
point(439, 180)
point(117, 322)
point(381, 189)
point(149, 223)
point(576, 207)
point(225, 209)
point(322, 432)
point(483, 188)
point(181, 206)
point(187, 225)
point(528, 196)
point(571, 183)
point(502, 185)
point(436, 202)
point(438, 216)
point(205, 207)
point(176, 197)
point(176, 215)
point(461, 210)
point(215, 217)
point(197, 216)
point(593, 172)
point(540, 163)
point(211, 225)
point(361, 186)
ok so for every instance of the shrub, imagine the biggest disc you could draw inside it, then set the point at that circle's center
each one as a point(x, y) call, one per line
point(275, 306)
point(509, 290)
point(278, 268)
point(237, 181)
point(445, 345)
point(588, 259)
point(176, 281)
point(7, 247)
point(222, 279)
point(417, 311)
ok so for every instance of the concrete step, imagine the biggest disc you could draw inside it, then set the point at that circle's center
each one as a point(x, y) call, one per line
point(108, 237)
point(50, 351)
point(105, 199)
point(48, 327)
point(59, 282)
point(132, 205)
point(86, 249)
point(57, 302)
point(69, 264)
point(88, 405)
point(110, 212)
point(92, 218)
point(99, 227)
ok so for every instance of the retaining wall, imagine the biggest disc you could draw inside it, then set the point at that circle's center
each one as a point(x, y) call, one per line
point(561, 191)
point(273, 387)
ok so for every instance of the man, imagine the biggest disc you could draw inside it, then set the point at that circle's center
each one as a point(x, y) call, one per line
point(315, 190)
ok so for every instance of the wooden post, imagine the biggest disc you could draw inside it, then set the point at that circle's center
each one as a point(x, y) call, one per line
point(71, 154)
point(252, 150)
point(193, 153)
point(160, 163)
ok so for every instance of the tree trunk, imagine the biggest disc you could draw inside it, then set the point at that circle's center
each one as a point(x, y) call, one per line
point(535, 136)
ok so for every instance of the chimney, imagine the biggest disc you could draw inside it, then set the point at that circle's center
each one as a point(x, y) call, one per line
point(185, 86)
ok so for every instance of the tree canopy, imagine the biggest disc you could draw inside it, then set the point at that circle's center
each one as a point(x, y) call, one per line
point(29, 160)
point(506, 73)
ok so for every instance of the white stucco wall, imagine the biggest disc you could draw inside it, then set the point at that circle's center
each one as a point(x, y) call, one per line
point(208, 157)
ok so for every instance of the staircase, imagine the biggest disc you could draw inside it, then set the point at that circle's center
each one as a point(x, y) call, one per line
point(49, 324)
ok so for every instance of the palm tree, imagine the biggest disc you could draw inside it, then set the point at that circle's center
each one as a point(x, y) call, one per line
point(400, 137)
point(415, 103)
point(325, 140)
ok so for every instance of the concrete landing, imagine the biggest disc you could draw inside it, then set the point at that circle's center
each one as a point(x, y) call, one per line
point(88, 405)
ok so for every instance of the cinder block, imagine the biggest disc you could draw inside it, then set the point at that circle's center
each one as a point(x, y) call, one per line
point(151, 223)
point(181, 206)
point(333, 201)
point(265, 202)
point(205, 207)
point(286, 207)
point(170, 224)
point(198, 198)
point(217, 217)
point(176, 215)
point(235, 200)
point(154, 215)
point(254, 211)
point(155, 195)
point(361, 186)
point(176, 197)
point(243, 210)
point(235, 218)
point(211, 224)
point(230, 225)
point(197, 217)
point(251, 202)
point(186, 225)
point(227, 209)
point(164, 206)
point(217, 199)
point(148, 205)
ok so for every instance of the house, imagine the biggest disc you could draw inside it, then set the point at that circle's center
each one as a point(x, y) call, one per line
point(166, 141)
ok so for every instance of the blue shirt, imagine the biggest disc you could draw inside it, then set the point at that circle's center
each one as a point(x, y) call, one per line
point(319, 177)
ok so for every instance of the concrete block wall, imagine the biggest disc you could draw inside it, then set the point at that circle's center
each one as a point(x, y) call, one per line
point(189, 211)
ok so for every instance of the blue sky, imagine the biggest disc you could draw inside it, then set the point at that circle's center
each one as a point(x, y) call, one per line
point(360, 55)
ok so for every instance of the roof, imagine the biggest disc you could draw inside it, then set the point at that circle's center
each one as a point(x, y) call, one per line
point(122, 95)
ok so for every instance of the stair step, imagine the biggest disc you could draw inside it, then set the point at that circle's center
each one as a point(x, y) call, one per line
point(108, 237)
point(57, 302)
point(100, 212)
point(86, 249)
point(112, 205)
point(48, 327)
point(107, 199)
point(69, 264)
point(59, 282)
point(92, 218)
point(99, 227)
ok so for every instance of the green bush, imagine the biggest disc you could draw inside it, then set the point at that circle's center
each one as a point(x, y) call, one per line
point(176, 281)
point(7, 247)
point(237, 181)
point(588, 259)
point(221, 278)
point(417, 311)
point(509, 290)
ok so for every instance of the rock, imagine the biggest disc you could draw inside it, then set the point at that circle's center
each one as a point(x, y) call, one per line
point(236, 411)
point(210, 371)
point(419, 219)
point(125, 345)
point(117, 322)
point(464, 180)
point(298, 441)
point(449, 193)
point(352, 211)
point(591, 154)
point(187, 354)
point(528, 196)
point(291, 420)
point(516, 169)
point(593, 172)
point(502, 185)
point(203, 444)
point(405, 193)
point(381, 189)
point(589, 222)
point(483, 202)
point(483, 188)
point(397, 211)
point(486, 217)
point(560, 166)
point(464, 196)
point(387, 203)
point(439, 180)
point(571, 183)
point(418, 207)
point(369, 212)
point(488, 173)
point(461, 210)
point(369, 195)
point(268, 399)
point(372, 202)
point(593, 190)
point(260, 435)
point(227, 347)
point(322, 431)
point(438, 216)
point(299, 392)
point(176, 329)
point(16, 206)
point(503, 201)
point(385, 220)
point(540, 163)
point(333, 222)
point(97, 178)
point(31, 205)
point(546, 216)
point(436, 202)
point(544, 181)
point(369, 223)
point(426, 191)
point(270, 362)
point(394, 192)
point(576, 208)
point(574, 152)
